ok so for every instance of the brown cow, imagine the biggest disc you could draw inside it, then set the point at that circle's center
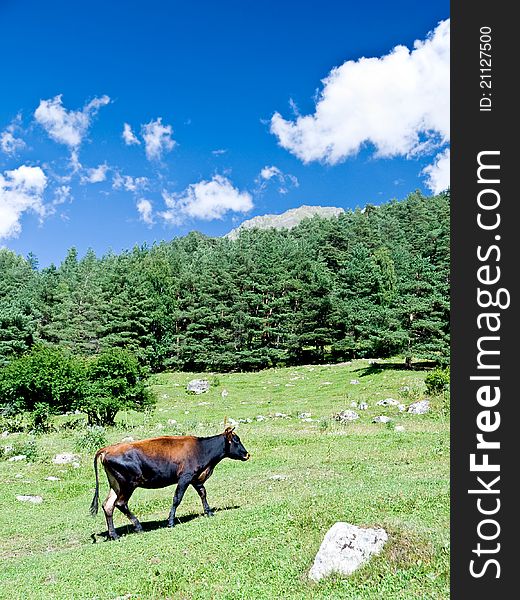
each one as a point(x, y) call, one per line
point(159, 462)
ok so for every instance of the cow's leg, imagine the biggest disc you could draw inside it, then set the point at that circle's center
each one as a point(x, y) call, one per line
point(201, 491)
point(108, 509)
point(122, 504)
point(182, 486)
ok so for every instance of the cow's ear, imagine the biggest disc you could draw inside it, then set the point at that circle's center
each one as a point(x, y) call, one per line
point(229, 432)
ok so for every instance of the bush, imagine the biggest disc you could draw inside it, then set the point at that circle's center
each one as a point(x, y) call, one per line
point(44, 376)
point(114, 381)
point(437, 381)
point(92, 439)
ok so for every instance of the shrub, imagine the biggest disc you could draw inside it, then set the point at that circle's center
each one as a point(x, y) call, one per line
point(92, 439)
point(437, 381)
point(114, 381)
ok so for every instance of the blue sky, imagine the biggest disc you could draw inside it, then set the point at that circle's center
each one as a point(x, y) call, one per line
point(232, 109)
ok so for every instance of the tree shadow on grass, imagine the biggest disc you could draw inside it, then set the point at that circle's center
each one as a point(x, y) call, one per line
point(376, 368)
point(157, 524)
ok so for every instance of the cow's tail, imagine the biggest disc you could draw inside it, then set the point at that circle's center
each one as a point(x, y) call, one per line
point(94, 506)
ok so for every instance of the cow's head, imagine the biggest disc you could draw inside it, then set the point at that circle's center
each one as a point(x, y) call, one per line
point(234, 447)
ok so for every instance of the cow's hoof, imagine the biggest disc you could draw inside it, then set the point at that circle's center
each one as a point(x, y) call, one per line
point(113, 537)
point(138, 528)
point(210, 513)
point(171, 524)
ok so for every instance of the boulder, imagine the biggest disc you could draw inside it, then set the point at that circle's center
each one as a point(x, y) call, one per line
point(198, 386)
point(381, 419)
point(65, 458)
point(345, 416)
point(32, 499)
point(419, 408)
point(345, 548)
point(388, 402)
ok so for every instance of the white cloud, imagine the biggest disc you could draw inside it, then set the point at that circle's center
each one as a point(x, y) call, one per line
point(219, 151)
point(21, 190)
point(10, 144)
point(128, 183)
point(157, 139)
point(67, 126)
point(129, 136)
point(62, 194)
point(398, 103)
point(438, 174)
point(206, 200)
point(285, 180)
point(145, 210)
point(96, 174)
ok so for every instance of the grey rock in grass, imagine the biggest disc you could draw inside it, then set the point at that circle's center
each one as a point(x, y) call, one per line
point(353, 404)
point(354, 382)
point(65, 458)
point(304, 415)
point(381, 419)
point(198, 386)
point(345, 548)
point(32, 499)
point(261, 418)
point(399, 428)
point(17, 458)
point(388, 402)
point(224, 393)
point(419, 408)
point(345, 416)
point(363, 406)
point(52, 478)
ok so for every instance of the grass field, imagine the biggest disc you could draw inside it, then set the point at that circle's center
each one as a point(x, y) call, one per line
point(271, 512)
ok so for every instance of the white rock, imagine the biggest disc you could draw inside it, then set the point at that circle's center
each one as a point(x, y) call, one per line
point(326, 383)
point(128, 438)
point(65, 458)
point(198, 386)
point(172, 422)
point(33, 499)
point(278, 477)
point(401, 407)
point(399, 428)
point(346, 415)
point(387, 402)
point(354, 404)
point(345, 548)
point(363, 406)
point(260, 418)
point(224, 393)
point(230, 422)
point(354, 382)
point(280, 415)
point(5, 434)
point(76, 465)
point(419, 408)
point(159, 426)
point(381, 419)
point(17, 458)
point(52, 478)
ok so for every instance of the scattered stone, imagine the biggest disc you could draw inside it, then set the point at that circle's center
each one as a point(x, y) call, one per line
point(159, 426)
point(363, 406)
point(165, 396)
point(260, 418)
point(203, 403)
point(387, 402)
point(354, 382)
point(230, 422)
point(17, 458)
point(33, 499)
point(399, 428)
point(18, 476)
point(304, 415)
point(419, 408)
point(345, 416)
point(405, 388)
point(245, 420)
point(381, 419)
point(224, 393)
point(278, 477)
point(345, 548)
point(172, 422)
point(280, 415)
point(198, 386)
point(65, 458)
point(128, 438)
point(326, 383)
point(5, 434)
point(372, 361)
point(76, 465)
point(52, 478)
point(289, 385)
point(401, 407)
point(353, 404)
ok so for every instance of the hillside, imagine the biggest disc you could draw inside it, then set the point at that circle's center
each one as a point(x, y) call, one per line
point(286, 220)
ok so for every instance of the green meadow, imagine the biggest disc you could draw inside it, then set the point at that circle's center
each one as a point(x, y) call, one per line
point(271, 513)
